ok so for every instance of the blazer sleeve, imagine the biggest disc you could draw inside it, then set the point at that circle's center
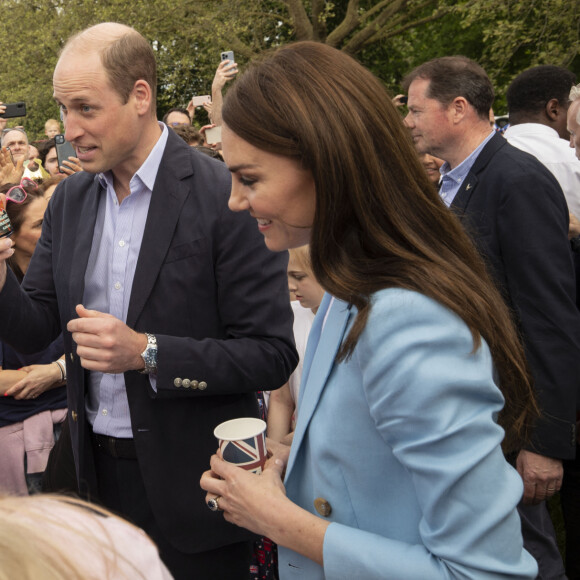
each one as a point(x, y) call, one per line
point(434, 403)
point(247, 343)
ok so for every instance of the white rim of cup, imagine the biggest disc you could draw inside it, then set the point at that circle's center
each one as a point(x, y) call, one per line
point(245, 428)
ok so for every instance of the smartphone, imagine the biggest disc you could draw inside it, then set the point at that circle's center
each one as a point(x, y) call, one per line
point(403, 100)
point(229, 55)
point(14, 110)
point(213, 135)
point(199, 101)
point(64, 149)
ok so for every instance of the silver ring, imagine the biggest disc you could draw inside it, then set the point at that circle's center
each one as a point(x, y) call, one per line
point(213, 504)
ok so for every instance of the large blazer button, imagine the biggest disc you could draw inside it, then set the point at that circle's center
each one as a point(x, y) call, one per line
point(202, 386)
point(322, 507)
point(186, 383)
point(177, 382)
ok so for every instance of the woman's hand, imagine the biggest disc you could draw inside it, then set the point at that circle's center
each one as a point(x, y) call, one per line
point(10, 172)
point(247, 500)
point(225, 72)
point(39, 378)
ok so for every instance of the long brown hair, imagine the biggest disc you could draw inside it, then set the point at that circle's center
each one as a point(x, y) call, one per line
point(378, 221)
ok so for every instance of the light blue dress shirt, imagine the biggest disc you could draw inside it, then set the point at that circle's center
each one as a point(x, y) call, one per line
point(109, 276)
point(451, 179)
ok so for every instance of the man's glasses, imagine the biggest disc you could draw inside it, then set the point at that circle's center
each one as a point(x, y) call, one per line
point(18, 194)
point(175, 124)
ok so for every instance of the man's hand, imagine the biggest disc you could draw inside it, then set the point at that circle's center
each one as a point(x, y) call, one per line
point(542, 476)
point(105, 343)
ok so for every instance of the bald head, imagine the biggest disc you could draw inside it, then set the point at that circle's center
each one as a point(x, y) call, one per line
point(125, 55)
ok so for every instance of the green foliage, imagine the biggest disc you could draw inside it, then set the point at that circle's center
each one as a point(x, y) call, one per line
point(388, 36)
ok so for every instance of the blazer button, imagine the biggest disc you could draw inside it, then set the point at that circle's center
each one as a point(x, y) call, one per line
point(177, 382)
point(74, 415)
point(202, 386)
point(194, 384)
point(322, 507)
point(186, 383)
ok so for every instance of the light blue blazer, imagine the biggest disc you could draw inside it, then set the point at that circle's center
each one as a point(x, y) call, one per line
point(401, 443)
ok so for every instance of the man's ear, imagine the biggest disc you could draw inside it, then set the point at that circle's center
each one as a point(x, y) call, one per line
point(458, 108)
point(142, 95)
point(554, 109)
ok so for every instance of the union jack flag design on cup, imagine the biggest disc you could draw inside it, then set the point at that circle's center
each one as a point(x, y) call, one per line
point(249, 454)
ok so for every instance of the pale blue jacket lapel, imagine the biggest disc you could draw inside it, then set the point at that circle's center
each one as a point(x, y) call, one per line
point(323, 344)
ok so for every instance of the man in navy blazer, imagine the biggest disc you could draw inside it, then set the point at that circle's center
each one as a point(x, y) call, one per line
point(516, 213)
point(173, 311)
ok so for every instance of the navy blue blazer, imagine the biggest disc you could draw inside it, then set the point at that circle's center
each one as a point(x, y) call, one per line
point(213, 294)
point(516, 213)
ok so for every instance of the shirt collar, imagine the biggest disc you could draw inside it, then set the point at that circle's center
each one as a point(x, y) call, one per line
point(147, 173)
point(459, 173)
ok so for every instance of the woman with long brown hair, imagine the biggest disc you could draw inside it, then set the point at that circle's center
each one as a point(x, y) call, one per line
point(396, 469)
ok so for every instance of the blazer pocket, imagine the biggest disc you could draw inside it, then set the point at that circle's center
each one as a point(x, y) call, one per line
point(183, 251)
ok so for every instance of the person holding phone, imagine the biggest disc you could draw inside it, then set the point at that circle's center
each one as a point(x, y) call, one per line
point(226, 71)
point(396, 468)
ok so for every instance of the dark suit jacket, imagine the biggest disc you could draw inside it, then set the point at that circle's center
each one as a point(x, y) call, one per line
point(217, 300)
point(515, 211)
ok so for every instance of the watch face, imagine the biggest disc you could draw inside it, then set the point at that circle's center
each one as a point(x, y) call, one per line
point(149, 355)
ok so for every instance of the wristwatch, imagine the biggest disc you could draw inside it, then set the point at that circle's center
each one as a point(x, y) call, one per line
point(149, 355)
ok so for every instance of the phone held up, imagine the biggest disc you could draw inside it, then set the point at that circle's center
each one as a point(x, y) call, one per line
point(64, 149)
point(14, 110)
point(200, 100)
point(228, 55)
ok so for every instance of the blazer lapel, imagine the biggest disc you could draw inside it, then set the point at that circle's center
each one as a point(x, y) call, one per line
point(463, 197)
point(319, 363)
point(170, 191)
point(83, 241)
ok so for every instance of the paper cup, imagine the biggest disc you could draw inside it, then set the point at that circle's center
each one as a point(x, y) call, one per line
point(243, 442)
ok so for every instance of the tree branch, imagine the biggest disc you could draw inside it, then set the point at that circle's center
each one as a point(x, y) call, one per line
point(318, 24)
point(302, 25)
point(348, 24)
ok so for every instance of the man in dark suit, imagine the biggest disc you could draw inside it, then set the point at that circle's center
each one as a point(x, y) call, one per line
point(174, 312)
point(516, 213)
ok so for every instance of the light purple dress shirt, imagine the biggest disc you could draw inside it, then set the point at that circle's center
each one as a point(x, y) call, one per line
point(109, 276)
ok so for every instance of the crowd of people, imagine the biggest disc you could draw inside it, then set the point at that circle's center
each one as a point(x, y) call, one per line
point(389, 283)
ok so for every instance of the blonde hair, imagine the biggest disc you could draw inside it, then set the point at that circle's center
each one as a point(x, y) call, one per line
point(34, 534)
point(301, 255)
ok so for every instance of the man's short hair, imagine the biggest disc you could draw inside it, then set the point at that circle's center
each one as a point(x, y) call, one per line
point(189, 134)
point(9, 130)
point(126, 56)
point(175, 110)
point(455, 76)
point(532, 89)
